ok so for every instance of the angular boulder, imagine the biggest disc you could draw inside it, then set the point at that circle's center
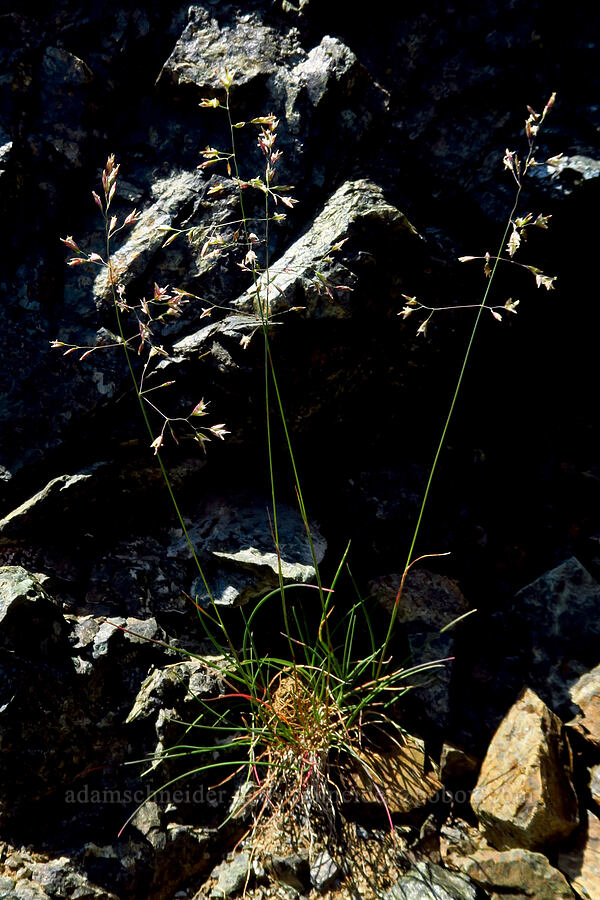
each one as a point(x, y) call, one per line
point(518, 874)
point(585, 694)
point(524, 796)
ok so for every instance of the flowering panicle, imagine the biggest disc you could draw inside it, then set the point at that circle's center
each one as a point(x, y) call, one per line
point(517, 226)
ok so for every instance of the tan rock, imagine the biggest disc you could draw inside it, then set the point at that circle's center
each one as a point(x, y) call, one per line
point(401, 777)
point(581, 862)
point(524, 796)
point(460, 839)
point(518, 874)
point(455, 763)
point(595, 783)
point(585, 693)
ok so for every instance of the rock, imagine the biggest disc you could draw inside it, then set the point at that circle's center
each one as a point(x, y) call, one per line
point(7, 888)
point(324, 97)
point(66, 124)
point(103, 638)
point(37, 877)
point(429, 603)
point(427, 880)
point(461, 839)
point(233, 536)
point(401, 778)
point(178, 683)
point(580, 860)
point(31, 623)
point(557, 615)
point(60, 879)
point(148, 235)
point(293, 279)
point(232, 875)
point(291, 869)
point(569, 175)
point(232, 328)
point(324, 871)
point(524, 795)
point(585, 694)
point(136, 578)
point(251, 51)
point(43, 509)
point(455, 763)
point(520, 874)
point(169, 857)
point(595, 783)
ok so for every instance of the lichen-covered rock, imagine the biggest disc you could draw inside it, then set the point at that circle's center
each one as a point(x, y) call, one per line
point(519, 874)
point(31, 624)
point(296, 278)
point(148, 235)
point(234, 537)
point(524, 795)
point(251, 51)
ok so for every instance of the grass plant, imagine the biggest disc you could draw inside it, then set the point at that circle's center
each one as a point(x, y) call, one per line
point(290, 723)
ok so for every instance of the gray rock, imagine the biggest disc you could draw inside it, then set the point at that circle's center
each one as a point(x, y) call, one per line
point(135, 578)
point(251, 51)
point(176, 684)
point(146, 238)
point(324, 871)
point(292, 869)
point(569, 175)
point(524, 795)
point(61, 880)
point(233, 327)
point(28, 890)
point(558, 620)
point(6, 888)
point(294, 279)
point(31, 623)
point(323, 97)
point(36, 878)
point(233, 534)
point(232, 875)
point(45, 507)
point(159, 865)
point(101, 638)
point(427, 881)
